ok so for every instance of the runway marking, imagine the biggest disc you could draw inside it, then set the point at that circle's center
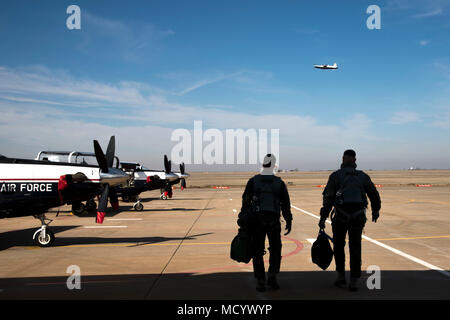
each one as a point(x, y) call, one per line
point(400, 253)
point(311, 240)
point(103, 227)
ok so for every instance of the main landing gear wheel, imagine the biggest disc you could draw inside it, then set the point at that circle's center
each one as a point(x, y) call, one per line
point(43, 236)
point(91, 205)
point(78, 209)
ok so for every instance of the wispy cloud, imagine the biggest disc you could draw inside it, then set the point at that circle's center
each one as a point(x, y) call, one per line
point(308, 31)
point(424, 42)
point(432, 13)
point(39, 84)
point(404, 117)
point(443, 121)
point(132, 42)
point(206, 82)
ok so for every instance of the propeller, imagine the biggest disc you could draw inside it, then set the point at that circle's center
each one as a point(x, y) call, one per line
point(100, 156)
point(167, 164)
point(182, 168)
point(102, 204)
point(110, 152)
point(183, 181)
point(107, 176)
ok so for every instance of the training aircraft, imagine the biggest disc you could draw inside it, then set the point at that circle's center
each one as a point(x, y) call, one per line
point(166, 192)
point(31, 187)
point(326, 66)
point(147, 180)
point(141, 178)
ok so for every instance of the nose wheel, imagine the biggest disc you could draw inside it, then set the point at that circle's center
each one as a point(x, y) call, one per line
point(138, 206)
point(166, 193)
point(43, 236)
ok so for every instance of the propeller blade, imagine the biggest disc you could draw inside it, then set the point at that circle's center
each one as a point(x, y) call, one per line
point(183, 183)
point(182, 168)
point(102, 204)
point(101, 160)
point(114, 199)
point(167, 164)
point(110, 152)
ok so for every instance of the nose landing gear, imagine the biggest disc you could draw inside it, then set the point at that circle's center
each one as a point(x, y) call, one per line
point(43, 236)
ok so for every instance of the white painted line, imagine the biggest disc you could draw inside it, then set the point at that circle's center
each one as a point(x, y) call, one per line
point(311, 240)
point(125, 219)
point(400, 253)
point(103, 227)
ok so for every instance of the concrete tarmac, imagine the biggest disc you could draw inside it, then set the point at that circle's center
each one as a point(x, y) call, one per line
point(179, 248)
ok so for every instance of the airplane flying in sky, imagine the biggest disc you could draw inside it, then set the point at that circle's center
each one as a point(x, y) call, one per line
point(326, 66)
point(31, 187)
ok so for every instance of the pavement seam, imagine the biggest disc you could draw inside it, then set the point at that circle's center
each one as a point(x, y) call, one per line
point(176, 250)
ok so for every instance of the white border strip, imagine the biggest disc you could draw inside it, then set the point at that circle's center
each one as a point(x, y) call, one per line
point(103, 227)
point(400, 253)
point(124, 219)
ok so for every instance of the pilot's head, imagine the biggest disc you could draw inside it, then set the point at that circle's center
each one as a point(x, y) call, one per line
point(349, 157)
point(268, 166)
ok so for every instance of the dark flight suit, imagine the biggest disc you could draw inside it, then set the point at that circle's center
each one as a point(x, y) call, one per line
point(262, 223)
point(348, 217)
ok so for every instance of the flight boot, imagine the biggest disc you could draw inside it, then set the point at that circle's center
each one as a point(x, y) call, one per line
point(340, 280)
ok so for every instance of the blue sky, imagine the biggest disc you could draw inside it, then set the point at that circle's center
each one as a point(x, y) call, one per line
point(140, 69)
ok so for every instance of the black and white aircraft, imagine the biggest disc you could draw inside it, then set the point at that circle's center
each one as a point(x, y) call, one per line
point(326, 66)
point(31, 187)
point(141, 178)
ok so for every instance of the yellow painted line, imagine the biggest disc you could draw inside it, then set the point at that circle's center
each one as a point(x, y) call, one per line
point(207, 243)
point(143, 244)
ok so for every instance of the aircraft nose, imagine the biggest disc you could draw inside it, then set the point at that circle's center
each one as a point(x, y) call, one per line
point(171, 176)
point(114, 177)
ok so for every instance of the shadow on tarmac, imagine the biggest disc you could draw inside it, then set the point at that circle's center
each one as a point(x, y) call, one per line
point(24, 237)
point(301, 285)
point(132, 241)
